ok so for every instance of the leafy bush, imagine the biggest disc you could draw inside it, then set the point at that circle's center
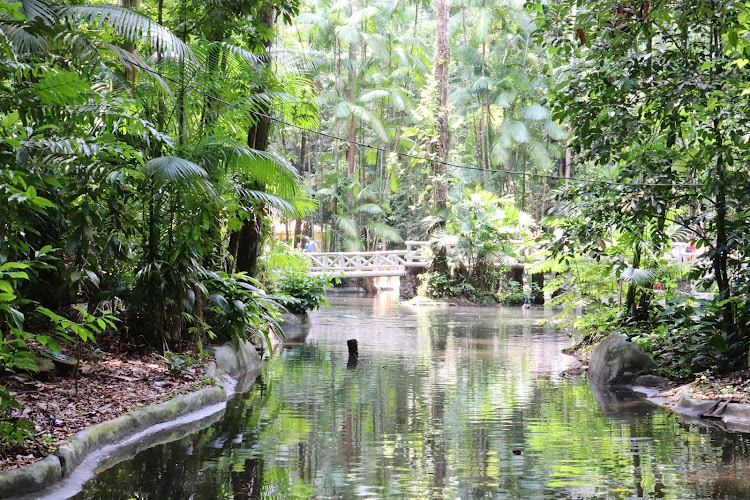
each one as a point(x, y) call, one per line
point(437, 285)
point(686, 339)
point(299, 291)
point(237, 307)
point(514, 293)
point(15, 354)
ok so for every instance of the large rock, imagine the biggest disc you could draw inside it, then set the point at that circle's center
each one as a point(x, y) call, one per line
point(617, 361)
point(236, 362)
point(295, 327)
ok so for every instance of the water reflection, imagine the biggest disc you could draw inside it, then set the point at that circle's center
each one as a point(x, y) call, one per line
point(436, 408)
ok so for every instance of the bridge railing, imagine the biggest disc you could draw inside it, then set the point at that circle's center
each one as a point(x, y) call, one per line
point(376, 263)
point(415, 256)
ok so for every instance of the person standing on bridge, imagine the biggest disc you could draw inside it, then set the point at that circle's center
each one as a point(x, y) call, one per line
point(310, 245)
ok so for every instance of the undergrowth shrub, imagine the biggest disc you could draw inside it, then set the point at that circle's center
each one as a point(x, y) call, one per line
point(300, 291)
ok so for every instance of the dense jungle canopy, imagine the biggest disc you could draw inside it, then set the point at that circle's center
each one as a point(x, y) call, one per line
point(146, 148)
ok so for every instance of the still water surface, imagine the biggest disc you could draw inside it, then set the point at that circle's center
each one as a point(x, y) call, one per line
point(446, 403)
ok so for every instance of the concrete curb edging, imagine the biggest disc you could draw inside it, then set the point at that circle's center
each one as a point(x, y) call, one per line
point(72, 452)
point(31, 478)
point(64, 460)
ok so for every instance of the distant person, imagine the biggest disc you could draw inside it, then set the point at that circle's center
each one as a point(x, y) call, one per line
point(310, 245)
point(299, 246)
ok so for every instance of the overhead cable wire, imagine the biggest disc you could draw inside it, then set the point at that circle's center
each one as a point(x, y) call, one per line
point(409, 155)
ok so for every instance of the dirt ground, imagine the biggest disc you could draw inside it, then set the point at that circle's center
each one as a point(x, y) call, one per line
point(106, 389)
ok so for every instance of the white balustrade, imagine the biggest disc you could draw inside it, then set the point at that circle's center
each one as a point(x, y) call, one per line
point(363, 264)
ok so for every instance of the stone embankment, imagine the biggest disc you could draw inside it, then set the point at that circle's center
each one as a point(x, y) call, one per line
point(107, 440)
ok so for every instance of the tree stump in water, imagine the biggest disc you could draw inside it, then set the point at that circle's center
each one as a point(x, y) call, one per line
point(369, 286)
point(353, 353)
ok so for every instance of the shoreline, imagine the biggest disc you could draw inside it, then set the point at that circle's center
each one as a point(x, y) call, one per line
point(76, 459)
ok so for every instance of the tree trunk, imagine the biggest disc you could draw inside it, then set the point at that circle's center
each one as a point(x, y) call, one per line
point(721, 254)
point(441, 73)
point(130, 72)
point(247, 243)
point(439, 169)
point(352, 95)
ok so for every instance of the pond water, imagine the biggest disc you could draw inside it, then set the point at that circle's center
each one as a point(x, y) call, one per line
point(446, 402)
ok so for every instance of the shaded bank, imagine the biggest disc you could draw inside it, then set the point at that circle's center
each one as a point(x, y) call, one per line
point(135, 430)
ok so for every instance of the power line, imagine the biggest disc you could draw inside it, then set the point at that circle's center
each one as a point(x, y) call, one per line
point(407, 155)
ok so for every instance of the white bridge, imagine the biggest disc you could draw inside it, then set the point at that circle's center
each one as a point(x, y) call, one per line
point(396, 262)
point(370, 264)
point(384, 263)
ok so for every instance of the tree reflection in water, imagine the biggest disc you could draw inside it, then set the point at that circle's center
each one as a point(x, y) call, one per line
point(439, 403)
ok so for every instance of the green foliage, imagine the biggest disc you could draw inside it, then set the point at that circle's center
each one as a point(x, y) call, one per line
point(70, 331)
point(515, 293)
point(585, 289)
point(479, 233)
point(361, 222)
point(437, 285)
point(14, 432)
point(180, 364)
point(238, 308)
point(657, 118)
point(137, 170)
point(299, 291)
point(479, 227)
point(280, 257)
point(685, 338)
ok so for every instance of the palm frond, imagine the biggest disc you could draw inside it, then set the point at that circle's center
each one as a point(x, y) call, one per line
point(517, 130)
point(372, 120)
point(346, 225)
point(638, 276)
point(290, 208)
point(535, 112)
point(253, 60)
point(443, 239)
point(461, 97)
point(348, 34)
point(554, 130)
point(379, 45)
point(386, 232)
point(506, 97)
point(270, 169)
point(369, 208)
point(131, 61)
point(38, 9)
point(135, 27)
point(373, 95)
point(23, 41)
point(167, 169)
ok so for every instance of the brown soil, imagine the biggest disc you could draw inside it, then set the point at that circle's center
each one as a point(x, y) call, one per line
point(735, 387)
point(107, 389)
